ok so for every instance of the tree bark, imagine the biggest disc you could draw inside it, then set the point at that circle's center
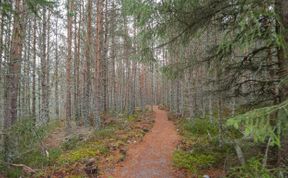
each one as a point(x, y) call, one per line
point(44, 114)
point(86, 68)
point(97, 74)
point(56, 75)
point(68, 65)
point(34, 70)
point(14, 68)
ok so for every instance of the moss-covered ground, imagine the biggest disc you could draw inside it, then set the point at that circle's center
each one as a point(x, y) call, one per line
point(81, 155)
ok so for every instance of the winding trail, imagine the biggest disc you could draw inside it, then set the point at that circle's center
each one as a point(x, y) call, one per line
point(151, 158)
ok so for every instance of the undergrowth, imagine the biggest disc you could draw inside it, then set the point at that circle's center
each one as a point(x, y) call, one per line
point(25, 145)
point(200, 148)
point(82, 152)
point(254, 168)
point(192, 161)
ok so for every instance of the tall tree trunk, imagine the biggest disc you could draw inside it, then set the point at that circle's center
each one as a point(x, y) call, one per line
point(86, 68)
point(44, 114)
point(113, 56)
point(2, 21)
point(56, 75)
point(77, 36)
point(34, 70)
point(98, 60)
point(48, 67)
point(68, 65)
point(14, 68)
point(127, 67)
point(27, 71)
point(105, 61)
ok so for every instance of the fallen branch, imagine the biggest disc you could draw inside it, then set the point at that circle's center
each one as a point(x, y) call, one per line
point(25, 169)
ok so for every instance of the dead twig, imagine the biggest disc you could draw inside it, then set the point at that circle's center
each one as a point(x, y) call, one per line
point(26, 169)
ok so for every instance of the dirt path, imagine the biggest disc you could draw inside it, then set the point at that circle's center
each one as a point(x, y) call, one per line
point(152, 157)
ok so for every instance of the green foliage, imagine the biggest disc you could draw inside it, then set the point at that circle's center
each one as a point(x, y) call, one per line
point(5, 7)
point(37, 159)
point(82, 152)
point(71, 143)
point(253, 168)
point(173, 71)
point(200, 145)
point(24, 146)
point(35, 5)
point(23, 137)
point(14, 172)
point(192, 161)
point(131, 117)
point(103, 133)
point(143, 10)
point(263, 123)
point(199, 126)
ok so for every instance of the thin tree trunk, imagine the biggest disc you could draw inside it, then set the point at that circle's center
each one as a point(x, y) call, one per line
point(113, 56)
point(44, 85)
point(97, 74)
point(86, 69)
point(34, 70)
point(105, 61)
point(56, 75)
point(68, 66)
point(1, 40)
point(78, 65)
point(48, 67)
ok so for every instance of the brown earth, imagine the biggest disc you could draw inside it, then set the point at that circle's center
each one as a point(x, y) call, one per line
point(152, 157)
point(59, 135)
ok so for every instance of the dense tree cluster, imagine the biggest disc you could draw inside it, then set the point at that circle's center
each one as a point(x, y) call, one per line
point(76, 60)
point(70, 61)
point(222, 58)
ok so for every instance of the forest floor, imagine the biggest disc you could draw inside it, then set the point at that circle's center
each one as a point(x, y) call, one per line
point(59, 135)
point(153, 156)
point(145, 144)
point(90, 153)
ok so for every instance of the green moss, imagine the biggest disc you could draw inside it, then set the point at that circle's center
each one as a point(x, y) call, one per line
point(54, 154)
point(192, 162)
point(103, 133)
point(131, 117)
point(84, 151)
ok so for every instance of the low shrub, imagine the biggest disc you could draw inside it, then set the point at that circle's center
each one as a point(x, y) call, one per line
point(103, 133)
point(198, 127)
point(84, 151)
point(192, 161)
point(24, 137)
point(252, 168)
point(71, 142)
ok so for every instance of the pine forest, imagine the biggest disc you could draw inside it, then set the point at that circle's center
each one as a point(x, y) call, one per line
point(144, 88)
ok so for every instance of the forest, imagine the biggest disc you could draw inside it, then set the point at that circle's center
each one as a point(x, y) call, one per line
point(144, 88)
